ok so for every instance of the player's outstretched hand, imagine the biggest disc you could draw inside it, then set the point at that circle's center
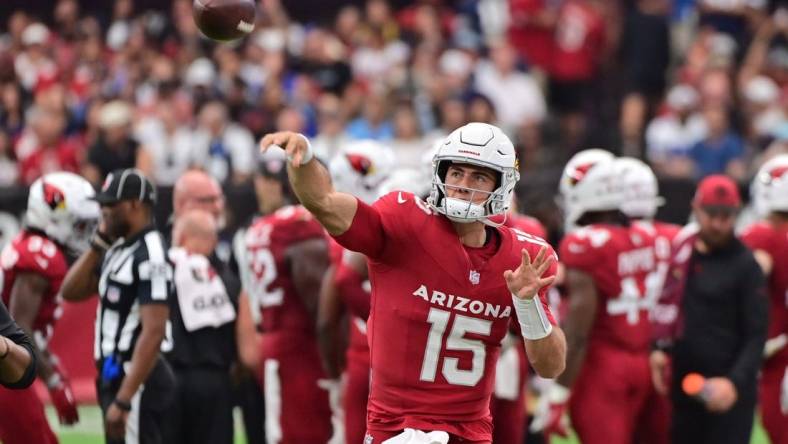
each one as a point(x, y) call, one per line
point(62, 395)
point(296, 146)
point(526, 281)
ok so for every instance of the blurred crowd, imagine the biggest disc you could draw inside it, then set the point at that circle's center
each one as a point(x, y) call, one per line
point(693, 87)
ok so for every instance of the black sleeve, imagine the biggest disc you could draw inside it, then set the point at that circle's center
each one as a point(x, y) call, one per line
point(753, 306)
point(10, 330)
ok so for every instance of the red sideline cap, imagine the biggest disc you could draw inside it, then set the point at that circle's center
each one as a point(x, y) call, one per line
point(717, 191)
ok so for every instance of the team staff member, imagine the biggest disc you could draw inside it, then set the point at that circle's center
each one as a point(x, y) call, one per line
point(17, 361)
point(203, 318)
point(712, 319)
point(196, 190)
point(135, 384)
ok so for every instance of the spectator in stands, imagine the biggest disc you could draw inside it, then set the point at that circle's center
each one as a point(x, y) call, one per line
point(531, 31)
point(9, 170)
point(168, 142)
point(670, 136)
point(734, 18)
point(12, 120)
point(223, 148)
point(115, 147)
point(323, 59)
point(712, 319)
point(43, 148)
point(645, 32)
point(374, 121)
point(330, 127)
point(34, 60)
point(481, 109)
point(580, 44)
point(408, 144)
point(762, 110)
point(722, 150)
point(515, 95)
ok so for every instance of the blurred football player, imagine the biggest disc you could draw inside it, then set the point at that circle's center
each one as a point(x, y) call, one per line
point(769, 241)
point(284, 259)
point(508, 403)
point(610, 278)
point(446, 283)
point(362, 169)
point(59, 222)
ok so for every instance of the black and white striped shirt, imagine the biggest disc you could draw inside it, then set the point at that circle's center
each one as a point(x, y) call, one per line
point(134, 272)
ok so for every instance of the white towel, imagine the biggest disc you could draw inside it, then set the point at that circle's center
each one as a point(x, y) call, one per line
point(201, 294)
point(413, 436)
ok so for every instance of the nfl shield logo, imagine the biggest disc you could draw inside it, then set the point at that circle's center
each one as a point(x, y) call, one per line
point(368, 439)
point(474, 277)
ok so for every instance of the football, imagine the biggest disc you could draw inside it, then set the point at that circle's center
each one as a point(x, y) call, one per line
point(224, 20)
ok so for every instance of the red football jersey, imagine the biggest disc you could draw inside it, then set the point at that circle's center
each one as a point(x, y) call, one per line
point(579, 41)
point(773, 240)
point(623, 264)
point(527, 224)
point(35, 253)
point(436, 321)
point(270, 282)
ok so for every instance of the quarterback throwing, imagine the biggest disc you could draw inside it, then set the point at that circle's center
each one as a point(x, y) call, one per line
point(446, 283)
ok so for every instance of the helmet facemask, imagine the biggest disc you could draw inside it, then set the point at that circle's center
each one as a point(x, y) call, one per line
point(460, 210)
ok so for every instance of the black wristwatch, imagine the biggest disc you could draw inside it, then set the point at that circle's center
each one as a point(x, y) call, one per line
point(125, 406)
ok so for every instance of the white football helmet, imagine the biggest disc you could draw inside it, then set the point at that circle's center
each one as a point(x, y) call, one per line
point(360, 167)
point(405, 179)
point(590, 182)
point(478, 144)
point(770, 186)
point(62, 206)
point(641, 191)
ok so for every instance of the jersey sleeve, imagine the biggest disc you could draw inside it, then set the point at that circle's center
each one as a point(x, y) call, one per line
point(154, 273)
point(350, 285)
point(756, 237)
point(297, 229)
point(578, 252)
point(366, 234)
point(41, 256)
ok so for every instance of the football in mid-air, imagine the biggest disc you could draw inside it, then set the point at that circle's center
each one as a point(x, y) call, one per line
point(224, 20)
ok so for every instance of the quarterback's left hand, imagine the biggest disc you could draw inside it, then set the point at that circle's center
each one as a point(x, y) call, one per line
point(551, 416)
point(526, 281)
point(63, 397)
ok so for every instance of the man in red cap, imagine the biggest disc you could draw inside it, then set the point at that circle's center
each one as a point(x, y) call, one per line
point(711, 320)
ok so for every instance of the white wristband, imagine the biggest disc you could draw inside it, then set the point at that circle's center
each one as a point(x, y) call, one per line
point(54, 381)
point(309, 154)
point(532, 317)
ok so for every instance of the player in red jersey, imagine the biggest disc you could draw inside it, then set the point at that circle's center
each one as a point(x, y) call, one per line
point(360, 168)
point(511, 376)
point(610, 278)
point(769, 241)
point(641, 201)
point(444, 284)
point(60, 219)
point(285, 256)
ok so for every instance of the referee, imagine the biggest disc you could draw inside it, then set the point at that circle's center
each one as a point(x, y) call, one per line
point(135, 385)
point(17, 360)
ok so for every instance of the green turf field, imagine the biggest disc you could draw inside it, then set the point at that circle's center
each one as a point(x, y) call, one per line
point(88, 431)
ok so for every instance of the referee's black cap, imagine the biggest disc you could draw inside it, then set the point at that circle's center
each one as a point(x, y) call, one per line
point(128, 184)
